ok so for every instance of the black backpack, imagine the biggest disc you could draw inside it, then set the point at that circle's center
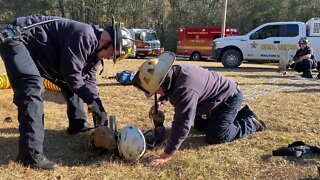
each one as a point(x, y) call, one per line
point(296, 149)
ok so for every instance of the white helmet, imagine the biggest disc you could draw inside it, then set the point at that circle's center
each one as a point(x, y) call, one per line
point(152, 73)
point(303, 40)
point(131, 143)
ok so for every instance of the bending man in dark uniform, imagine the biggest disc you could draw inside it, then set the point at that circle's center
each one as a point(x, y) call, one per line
point(67, 53)
point(194, 91)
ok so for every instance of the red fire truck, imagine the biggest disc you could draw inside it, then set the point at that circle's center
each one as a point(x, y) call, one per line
point(146, 42)
point(195, 42)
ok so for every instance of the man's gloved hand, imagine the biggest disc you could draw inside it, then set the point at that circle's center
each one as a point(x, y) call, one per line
point(94, 108)
point(152, 110)
point(158, 116)
point(104, 119)
point(100, 120)
point(158, 119)
point(100, 117)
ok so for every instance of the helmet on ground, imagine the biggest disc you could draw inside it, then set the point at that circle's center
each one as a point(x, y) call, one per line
point(152, 73)
point(304, 40)
point(131, 143)
point(122, 40)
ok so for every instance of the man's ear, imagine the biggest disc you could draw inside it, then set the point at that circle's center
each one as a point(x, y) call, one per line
point(105, 37)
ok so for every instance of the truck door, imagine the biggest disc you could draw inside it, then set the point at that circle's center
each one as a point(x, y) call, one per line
point(268, 42)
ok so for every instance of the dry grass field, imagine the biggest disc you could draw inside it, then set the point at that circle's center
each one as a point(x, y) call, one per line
point(289, 106)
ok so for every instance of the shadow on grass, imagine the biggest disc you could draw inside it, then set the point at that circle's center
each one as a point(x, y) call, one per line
point(9, 131)
point(305, 91)
point(64, 149)
point(304, 160)
point(258, 76)
point(309, 88)
point(241, 69)
point(309, 178)
point(72, 150)
point(304, 85)
point(194, 140)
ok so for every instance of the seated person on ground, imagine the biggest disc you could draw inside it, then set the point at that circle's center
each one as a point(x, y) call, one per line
point(304, 60)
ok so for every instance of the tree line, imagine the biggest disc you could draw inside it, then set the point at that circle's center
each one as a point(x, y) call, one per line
point(166, 16)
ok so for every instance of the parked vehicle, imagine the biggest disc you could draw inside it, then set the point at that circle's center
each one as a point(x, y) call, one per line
point(146, 42)
point(266, 42)
point(195, 42)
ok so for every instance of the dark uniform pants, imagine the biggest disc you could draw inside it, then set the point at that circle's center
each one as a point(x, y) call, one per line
point(304, 66)
point(27, 85)
point(225, 124)
point(75, 107)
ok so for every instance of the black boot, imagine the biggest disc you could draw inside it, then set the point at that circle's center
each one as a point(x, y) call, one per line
point(200, 123)
point(75, 129)
point(37, 161)
point(307, 74)
point(260, 125)
point(242, 112)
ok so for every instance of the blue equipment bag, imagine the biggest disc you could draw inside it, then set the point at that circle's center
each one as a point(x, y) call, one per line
point(125, 77)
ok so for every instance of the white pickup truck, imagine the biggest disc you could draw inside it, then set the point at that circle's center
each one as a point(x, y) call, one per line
point(266, 42)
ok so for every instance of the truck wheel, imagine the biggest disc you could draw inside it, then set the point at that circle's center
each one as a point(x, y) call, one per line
point(231, 59)
point(196, 56)
point(142, 56)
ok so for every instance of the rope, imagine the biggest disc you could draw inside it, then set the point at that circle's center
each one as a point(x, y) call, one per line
point(254, 92)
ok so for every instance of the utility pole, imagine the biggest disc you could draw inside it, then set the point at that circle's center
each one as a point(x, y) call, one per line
point(224, 17)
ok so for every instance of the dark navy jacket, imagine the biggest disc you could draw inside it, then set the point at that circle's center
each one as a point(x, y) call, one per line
point(301, 52)
point(194, 90)
point(67, 48)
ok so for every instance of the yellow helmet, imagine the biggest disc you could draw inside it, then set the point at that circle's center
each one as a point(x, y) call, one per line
point(152, 73)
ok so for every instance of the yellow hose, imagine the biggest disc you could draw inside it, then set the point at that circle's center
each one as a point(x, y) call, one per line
point(5, 84)
point(49, 85)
